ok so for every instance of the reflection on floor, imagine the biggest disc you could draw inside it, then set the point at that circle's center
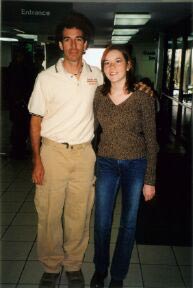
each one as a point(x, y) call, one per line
point(151, 265)
point(168, 218)
point(162, 256)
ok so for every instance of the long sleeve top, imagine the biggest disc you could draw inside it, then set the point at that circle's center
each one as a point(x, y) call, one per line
point(128, 129)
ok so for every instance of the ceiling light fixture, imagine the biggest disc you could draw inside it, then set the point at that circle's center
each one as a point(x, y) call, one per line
point(28, 36)
point(125, 31)
point(7, 39)
point(18, 30)
point(120, 39)
point(131, 19)
point(119, 42)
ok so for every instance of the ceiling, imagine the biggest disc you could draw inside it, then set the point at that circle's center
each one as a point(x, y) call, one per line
point(164, 15)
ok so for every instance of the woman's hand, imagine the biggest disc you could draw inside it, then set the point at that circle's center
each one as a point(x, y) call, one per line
point(148, 192)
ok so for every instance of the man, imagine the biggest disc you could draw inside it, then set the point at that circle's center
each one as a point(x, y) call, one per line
point(63, 158)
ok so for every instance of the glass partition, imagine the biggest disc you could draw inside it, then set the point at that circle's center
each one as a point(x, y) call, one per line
point(177, 66)
point(188, 73)
point(169, 62)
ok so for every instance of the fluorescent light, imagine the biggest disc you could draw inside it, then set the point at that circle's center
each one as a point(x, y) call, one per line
point(119, 41)
point(17, 30)
point(120, 38)
point(131, 19)
point(6, 39)
point(125, 31)
point(28, 36)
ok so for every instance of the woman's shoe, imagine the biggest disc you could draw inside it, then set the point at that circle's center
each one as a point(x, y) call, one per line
point(116, 283)
point(97, 280)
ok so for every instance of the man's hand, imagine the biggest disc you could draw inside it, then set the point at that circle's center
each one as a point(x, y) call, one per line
point(38, 172)
point(145, 88)
point(38, 169)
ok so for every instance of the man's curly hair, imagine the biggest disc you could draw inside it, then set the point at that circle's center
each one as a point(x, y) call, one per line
point(79, 21)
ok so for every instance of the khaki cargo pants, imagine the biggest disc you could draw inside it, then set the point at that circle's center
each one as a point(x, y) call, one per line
point(64, 203)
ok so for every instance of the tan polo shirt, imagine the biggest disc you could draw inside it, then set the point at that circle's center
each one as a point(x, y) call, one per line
point(66, 103)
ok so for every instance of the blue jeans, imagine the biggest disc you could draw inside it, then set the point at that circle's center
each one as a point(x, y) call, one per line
point(129, 176)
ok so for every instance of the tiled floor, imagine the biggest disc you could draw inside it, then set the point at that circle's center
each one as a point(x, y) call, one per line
point(151, 266)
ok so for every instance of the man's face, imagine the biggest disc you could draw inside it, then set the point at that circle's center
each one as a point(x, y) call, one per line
point(73, 44)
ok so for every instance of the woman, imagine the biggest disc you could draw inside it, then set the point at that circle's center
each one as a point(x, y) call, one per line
point(126, 159)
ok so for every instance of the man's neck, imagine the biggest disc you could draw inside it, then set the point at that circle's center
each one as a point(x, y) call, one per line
point(73, 67)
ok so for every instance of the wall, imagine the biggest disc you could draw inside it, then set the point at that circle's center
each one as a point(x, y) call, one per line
point(145, 56)
point(5, 54)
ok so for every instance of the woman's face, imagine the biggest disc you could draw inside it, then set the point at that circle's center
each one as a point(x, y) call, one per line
point(115, 66)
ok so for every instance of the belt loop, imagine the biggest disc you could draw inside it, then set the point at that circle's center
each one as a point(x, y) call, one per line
point(67, 145)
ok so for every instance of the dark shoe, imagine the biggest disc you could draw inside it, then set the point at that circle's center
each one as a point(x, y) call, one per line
point(116, 284)
point(75, 279)
point(48, 280)
point(97, 280)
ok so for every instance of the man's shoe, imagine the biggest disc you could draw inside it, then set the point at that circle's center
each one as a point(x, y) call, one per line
point(48, 280)
point(75, 279)
point(97, 280)
point(116, 283)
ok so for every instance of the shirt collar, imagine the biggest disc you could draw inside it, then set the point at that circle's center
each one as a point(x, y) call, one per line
point(60, 68)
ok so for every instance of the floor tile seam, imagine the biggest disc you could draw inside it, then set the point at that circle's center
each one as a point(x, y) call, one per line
point(18, 241)
point(159, 264)
point(180, 271)
point(19, 213)
point(14, 241)
point(20, 260)
point(87, 262)
point(60, 276)
point(19, 170)
point(149, 286)
point(7, 161)
point(25, 263)
point(16, 259)
point(13, 285)
point(24, 199)
point(7, 260)
point(141, 261)
point(172, 247)
point(173, 253)
point(140, 267)
point(10, 201)
point(19, 191)
point(23, 225)
point(16, 213)
point(5, 190)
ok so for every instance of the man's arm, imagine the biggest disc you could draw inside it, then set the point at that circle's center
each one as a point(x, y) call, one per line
point(38, 169)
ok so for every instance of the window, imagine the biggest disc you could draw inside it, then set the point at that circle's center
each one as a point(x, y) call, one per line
point(93, 56)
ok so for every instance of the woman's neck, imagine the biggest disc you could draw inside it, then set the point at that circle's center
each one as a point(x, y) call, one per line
point(119, 94)
point(117, 89)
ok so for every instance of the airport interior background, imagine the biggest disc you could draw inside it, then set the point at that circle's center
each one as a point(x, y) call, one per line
point(162, 50)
